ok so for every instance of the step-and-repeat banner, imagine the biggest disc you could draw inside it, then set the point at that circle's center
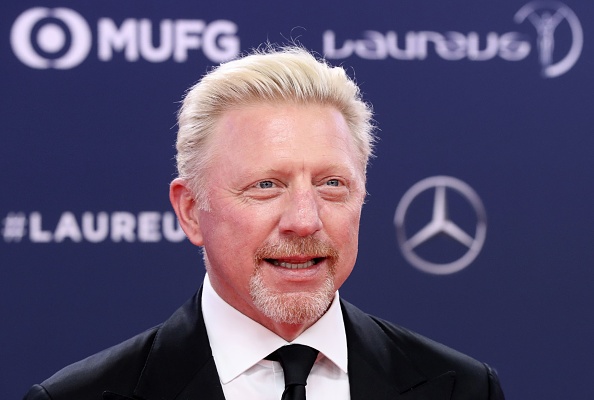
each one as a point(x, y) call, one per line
point(478, 227)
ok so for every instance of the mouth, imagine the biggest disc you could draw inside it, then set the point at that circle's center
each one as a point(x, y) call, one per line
point(292, 264)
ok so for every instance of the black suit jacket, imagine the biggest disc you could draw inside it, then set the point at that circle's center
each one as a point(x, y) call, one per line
point(174, 361)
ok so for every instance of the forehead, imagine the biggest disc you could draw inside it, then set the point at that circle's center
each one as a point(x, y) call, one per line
point(262, 133)
point(273, 119)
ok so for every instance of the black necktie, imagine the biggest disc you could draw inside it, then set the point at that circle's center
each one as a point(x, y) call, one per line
point(296, 360)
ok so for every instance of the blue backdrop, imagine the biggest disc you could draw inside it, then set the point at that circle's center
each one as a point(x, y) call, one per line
point(478, 228)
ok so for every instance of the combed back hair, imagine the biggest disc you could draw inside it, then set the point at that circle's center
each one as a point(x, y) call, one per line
point(271, 75)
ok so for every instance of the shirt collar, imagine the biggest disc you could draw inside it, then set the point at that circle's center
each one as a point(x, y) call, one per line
point(238, 342)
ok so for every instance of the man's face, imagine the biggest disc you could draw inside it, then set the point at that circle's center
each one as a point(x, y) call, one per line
point(285, 191)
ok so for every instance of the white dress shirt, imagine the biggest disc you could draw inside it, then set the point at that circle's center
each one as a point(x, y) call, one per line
point(239, 345)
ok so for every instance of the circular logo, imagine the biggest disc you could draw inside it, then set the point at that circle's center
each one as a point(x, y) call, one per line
point(546, 16)
point(430, 200)
point(50, 38)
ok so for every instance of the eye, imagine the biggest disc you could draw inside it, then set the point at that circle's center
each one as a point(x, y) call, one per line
point(333, 182)
point(265, 185)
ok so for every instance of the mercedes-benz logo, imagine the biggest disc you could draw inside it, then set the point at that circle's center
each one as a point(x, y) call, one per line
point(439, 223)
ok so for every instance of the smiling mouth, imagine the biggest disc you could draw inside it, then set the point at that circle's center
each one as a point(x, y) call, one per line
point(289, 265)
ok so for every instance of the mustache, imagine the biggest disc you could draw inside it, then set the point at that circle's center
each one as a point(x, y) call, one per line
point(296, 246)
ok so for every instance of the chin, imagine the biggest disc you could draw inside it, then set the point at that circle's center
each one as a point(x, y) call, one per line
point(291, 308)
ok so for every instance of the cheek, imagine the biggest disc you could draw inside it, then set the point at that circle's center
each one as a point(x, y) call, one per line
point(350, 236)
point(343, 231)
point(346, 222)
point(242, 228)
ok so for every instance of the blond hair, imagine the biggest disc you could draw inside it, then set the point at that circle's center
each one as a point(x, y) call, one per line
point(289, 74)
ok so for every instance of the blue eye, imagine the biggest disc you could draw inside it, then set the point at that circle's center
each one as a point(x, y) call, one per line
point(333, 182)
point(265, 184)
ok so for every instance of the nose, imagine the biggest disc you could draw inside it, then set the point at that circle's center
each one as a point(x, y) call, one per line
point(301, 216)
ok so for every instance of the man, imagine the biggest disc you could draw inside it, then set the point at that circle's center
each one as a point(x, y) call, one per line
point(272, 154)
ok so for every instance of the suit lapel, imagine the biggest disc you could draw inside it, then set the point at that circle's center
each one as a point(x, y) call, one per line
point(180, 363)
point(205, 385)
point(379, 369)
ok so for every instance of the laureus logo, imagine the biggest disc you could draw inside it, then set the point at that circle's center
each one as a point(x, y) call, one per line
point(547, 16)
point(558, 44)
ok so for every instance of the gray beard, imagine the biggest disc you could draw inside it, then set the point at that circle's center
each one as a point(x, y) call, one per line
point(291, 308)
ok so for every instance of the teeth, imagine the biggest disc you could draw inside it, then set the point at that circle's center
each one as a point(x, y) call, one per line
point(293, 266)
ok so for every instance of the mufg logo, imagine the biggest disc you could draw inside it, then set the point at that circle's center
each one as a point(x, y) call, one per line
point(61, 38)
point(545, 16)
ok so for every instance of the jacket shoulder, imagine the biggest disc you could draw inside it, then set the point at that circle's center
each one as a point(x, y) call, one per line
point(425, 349)
point(401, 349)
point(472, 376)
point(115, 369)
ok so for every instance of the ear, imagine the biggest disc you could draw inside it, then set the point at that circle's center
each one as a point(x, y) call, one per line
point(184, 204)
